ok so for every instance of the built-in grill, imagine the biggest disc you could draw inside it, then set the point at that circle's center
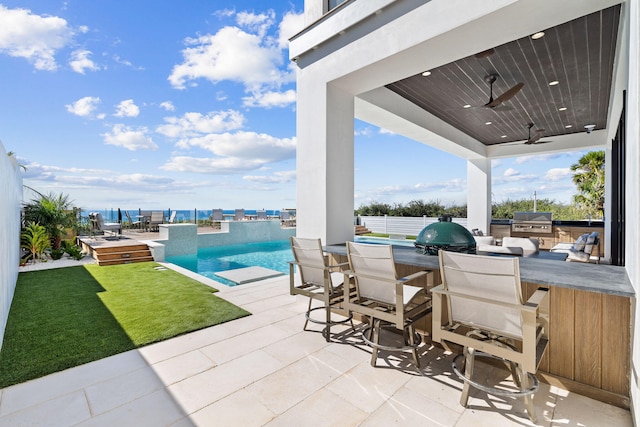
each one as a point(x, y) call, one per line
point(531, 222)
point(446, 235)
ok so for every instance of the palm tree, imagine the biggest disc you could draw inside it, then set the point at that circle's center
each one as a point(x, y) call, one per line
point(53, 212)
point(588, 175)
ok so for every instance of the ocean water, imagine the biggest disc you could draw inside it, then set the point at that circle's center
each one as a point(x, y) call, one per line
point(186, 215)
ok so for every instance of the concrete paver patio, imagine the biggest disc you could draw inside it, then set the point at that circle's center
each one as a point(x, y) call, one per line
point(264, 370)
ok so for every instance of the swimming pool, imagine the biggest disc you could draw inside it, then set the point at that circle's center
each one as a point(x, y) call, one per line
point(274, 255)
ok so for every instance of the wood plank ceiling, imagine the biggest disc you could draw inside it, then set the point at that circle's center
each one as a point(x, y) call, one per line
point(579, 55)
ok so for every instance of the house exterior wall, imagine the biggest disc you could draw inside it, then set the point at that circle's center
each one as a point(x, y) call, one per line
point(632, 199)
point(11, 196)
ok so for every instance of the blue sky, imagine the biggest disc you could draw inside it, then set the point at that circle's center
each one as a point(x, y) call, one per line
point(183, 105)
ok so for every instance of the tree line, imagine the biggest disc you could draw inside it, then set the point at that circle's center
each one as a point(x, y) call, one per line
point(588, 202)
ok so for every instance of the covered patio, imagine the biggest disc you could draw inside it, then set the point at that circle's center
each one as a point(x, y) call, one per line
point(430, 71)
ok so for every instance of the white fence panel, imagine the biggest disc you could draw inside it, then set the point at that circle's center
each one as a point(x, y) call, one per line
point(401, 224)
point(11, 196)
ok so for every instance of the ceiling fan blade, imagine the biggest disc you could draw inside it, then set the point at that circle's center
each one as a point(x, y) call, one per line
point(505, 96)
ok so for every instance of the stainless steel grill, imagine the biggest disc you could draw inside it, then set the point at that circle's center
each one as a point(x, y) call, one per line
point(532, 222)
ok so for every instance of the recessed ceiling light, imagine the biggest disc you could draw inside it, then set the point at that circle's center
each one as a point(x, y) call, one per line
point(426, 73)
point(487, 123)
point(466, 106)
point(503, 136)
point(562, 109)
point(538, 35)
point(553, 83)
point(568, 126)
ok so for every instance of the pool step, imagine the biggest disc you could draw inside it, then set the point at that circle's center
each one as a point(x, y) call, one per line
point(117, 252)
point(361, 229)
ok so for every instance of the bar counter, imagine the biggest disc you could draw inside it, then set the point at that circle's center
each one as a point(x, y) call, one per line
point(589, 319)
point(600, 278)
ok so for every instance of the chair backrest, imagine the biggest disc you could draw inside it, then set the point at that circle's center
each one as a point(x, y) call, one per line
point(99, 220)
point(172, 218)
point(128, 215)
point(310, 257)
point(374, 270)
point(239, 215)
point(261, 214)
point(285, 215)
point(529, 246)
point(488, 277)
point(216, 215)
point(157, 216)
point(590, 241)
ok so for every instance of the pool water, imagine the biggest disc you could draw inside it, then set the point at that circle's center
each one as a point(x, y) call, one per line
point(274, 255)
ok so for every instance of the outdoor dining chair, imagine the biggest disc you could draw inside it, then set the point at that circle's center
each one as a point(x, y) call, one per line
point(318, 281)
point(382, 296)
point(480, 306)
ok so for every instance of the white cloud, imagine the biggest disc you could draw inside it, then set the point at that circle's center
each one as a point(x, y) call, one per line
point(246, 145)
point(124, 136)
point(235, 153)
point(270, 99)
point(541, 157)
point(83, 107)
point(197, 124)
point(168, 106)
point(291, 24)
point(230, 54)
point(557, 174)
point(277, 178)
point(80, 61)
point(127, 108)
point(259, 23)
point(511, 172)
point(33, 37)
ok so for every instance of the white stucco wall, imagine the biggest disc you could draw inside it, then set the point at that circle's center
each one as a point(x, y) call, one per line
point(632, 225)
point(10, 205)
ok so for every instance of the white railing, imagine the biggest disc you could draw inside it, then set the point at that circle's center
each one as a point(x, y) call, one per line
point(401, 224)
point(11, 196)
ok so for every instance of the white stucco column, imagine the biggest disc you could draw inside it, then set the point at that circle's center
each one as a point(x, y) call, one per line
point(324, 160)
point(479, 194)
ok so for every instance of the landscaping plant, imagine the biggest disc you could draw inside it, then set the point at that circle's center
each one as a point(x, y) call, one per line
point(35, 239)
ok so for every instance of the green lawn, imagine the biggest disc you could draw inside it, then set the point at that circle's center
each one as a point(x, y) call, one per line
point(65, 317)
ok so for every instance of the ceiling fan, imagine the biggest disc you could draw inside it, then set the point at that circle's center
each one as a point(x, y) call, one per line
point(535, 138)
point(496, 102)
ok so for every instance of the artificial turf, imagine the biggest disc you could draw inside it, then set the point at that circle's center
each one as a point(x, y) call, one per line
point(65, 317)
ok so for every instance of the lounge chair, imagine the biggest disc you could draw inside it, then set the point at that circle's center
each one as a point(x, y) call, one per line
point(239, 215)
point(382, 296)
point(172, 217)
point(216, 217)
point(130, 222)
point(586, 246)
point(318, 280)
point(98, 224)
point(286, 219)
point(480, 307)
point(157, 218)
point(261, 214)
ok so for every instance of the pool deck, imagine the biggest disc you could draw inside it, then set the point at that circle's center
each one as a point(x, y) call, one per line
point(265, 370)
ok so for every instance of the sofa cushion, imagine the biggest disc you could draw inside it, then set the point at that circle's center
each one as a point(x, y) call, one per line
point(580, 242)
point(592, 240)
point(484, 240)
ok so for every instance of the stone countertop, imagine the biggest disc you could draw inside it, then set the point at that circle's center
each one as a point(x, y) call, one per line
point(600, 278)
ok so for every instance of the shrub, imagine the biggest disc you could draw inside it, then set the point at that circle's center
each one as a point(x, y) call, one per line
point(74, 252)
point(56, 253)
point(35, 239)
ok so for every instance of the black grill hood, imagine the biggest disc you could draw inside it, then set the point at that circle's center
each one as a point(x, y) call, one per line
point(446, 235)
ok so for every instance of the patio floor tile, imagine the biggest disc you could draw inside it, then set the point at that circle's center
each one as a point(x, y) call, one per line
point(178, 368)
point(237, 409)
point(65, 410)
